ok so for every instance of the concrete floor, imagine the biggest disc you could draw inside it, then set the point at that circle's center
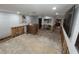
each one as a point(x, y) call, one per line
point(45, 42)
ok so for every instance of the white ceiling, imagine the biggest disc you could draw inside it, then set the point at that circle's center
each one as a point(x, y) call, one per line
point(35, 9)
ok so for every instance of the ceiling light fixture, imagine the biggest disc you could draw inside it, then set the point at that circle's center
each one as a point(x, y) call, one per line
point(54, 8)
point(57, 13)
point(18, 12)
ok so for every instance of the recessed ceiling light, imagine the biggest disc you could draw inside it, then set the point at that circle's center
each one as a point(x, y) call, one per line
point(18, 12)
point(57, 13)
point(54, 8)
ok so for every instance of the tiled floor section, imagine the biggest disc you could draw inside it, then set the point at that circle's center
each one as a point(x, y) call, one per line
point(44, 42)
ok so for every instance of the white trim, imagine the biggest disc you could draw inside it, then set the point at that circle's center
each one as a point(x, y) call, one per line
point(71, 47)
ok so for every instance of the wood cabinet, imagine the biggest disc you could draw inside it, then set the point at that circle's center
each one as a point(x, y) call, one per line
point(32, 29)
point(17, 31)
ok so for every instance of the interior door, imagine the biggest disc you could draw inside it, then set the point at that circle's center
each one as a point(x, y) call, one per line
point(40, 23)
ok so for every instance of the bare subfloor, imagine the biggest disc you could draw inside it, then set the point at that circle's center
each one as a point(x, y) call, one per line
point(44, 42)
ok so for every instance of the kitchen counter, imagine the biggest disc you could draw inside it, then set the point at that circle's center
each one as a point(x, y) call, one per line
point(19, 25)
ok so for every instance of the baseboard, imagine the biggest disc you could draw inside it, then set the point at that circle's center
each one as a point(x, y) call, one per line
point(5, 38)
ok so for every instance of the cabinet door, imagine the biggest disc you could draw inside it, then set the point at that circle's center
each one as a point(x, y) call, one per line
point(14, 31)
point(19, 30)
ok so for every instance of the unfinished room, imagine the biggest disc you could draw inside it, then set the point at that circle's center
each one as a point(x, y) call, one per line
point(39, 29)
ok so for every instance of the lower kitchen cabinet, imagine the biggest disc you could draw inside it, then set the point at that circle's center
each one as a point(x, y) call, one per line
point(17, 31)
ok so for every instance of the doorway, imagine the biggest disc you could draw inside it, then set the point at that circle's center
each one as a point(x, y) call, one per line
point(40, 23)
